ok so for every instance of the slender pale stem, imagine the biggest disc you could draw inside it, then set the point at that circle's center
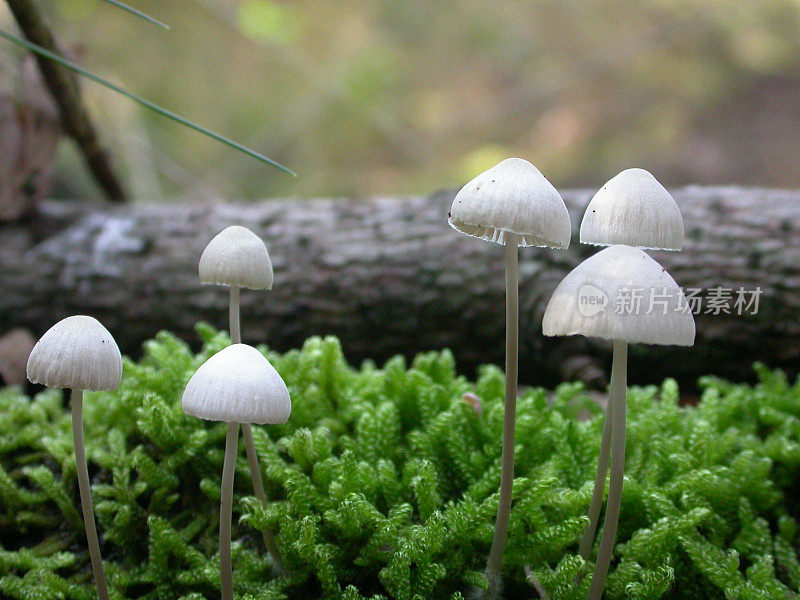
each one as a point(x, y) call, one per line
point(233, 316)
point(600, 477)
point(225, 510)
point(507, 473)
point(535, 583)
point(247, 435)
point(86, 495)
point(619, 374)
point(258, 487)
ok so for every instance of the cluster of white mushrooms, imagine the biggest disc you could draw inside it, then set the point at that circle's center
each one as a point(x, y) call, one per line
point(237, 386)
point(513, 204)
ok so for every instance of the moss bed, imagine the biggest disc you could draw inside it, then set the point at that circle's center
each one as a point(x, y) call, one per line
point(384, 485)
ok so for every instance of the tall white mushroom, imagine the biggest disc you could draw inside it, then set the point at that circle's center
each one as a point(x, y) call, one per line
point(514, 205)
point(79, 354)
point(619, 294)
point(238, 258)
point(236, 385)
point(634, 209)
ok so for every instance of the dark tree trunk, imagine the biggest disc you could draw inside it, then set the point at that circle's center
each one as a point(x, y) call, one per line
point(389, 276)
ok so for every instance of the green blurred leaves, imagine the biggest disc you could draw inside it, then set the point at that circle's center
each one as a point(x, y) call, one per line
point(268, 21)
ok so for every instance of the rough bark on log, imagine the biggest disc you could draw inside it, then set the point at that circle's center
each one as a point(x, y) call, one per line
point(389, 276)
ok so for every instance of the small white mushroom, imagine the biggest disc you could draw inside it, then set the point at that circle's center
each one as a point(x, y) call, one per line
point(237, 385)
point(80, 354)
point(588, 302)
point(634, 209)
point(76, 353)
point(611, 275)
point(238, 258)
point(511, 204)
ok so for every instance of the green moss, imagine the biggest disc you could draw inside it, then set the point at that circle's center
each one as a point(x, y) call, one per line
point(383, 485)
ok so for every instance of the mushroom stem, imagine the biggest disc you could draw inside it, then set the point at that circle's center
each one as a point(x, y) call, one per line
point(600, 478)
point(86, 495)
point(535, 583)
point(225, 510)
point(235, 330)
point(247, 435)
point(619, 374)
point(507, 473)
point(258, 487)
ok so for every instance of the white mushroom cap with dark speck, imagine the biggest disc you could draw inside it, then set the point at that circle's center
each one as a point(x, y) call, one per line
point(78, 353)
point(512, 197)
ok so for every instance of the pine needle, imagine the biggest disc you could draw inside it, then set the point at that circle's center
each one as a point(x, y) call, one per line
point(138, 13)
point(139, 100)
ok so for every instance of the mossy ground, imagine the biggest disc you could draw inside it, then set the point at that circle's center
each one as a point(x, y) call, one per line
point(383, 485)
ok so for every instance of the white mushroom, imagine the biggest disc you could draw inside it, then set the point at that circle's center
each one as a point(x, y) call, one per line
point(511, 204)
point(236, 385)
point(237, 257)
point(80, 354)
point(633, 208)
point(610, 275)
point(77, 353)
point(593, 300)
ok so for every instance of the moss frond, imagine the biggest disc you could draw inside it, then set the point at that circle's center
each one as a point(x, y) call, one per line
point(383, 485)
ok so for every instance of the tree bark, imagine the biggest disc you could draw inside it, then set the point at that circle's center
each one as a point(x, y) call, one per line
point(389, 276)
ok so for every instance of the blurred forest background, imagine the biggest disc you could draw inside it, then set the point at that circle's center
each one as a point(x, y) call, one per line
point(367, 97)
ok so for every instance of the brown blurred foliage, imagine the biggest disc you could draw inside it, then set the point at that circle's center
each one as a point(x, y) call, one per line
point(29, 135)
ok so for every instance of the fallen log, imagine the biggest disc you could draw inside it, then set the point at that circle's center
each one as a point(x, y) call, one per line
point(388, 276)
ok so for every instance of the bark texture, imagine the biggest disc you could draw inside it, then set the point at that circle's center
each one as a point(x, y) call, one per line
point(388, 276)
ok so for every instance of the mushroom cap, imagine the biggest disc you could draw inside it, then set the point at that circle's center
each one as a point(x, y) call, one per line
point(78, 353)
point(237, 385)
point(597, 299)
point(236, 256)
point(633, 208)
point(512, 197)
